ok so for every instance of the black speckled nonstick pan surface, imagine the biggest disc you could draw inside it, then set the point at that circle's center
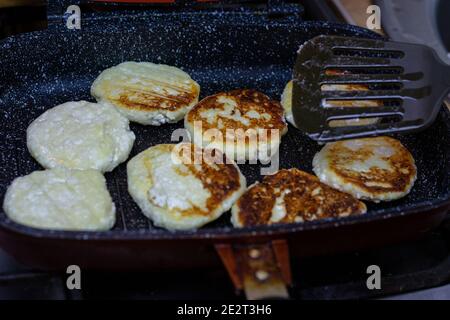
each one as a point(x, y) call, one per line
point(43, 69)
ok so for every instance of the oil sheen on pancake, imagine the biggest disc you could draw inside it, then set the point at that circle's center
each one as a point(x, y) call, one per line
point(182, 186)
point(289, 196)
point(244, 124)
point(147, 93)
point(377, 169)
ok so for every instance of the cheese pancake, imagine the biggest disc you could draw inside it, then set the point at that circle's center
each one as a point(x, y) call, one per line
point(292, 196)
point(61, 199)
point(245, 124)
point(177, 187)
point(377, 169)
point(80, 135)
point(286, 102)
point(147, 93)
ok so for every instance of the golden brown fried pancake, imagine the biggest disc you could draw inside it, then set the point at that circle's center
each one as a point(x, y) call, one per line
point(378, 169)
point(147, 93)
point(292, 196)
point(251, 121)
point(182, 186)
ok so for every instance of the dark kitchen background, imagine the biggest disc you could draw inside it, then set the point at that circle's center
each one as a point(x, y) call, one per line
point(414, 270)
point(18, 16)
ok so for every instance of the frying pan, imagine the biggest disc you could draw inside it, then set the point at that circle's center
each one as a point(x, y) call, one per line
point(221, 51)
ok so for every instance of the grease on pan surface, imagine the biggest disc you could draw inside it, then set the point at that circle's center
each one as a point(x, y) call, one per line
point(147, 93)
point(377, 169)
point(182, 186)
point(80, 135)
point(245, 124)
point(292, 195)
point(61, 199)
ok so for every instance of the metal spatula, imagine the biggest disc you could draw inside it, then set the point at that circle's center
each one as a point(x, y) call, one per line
point(408, 81)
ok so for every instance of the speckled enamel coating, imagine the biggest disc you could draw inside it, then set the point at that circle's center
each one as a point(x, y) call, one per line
point(221, 51)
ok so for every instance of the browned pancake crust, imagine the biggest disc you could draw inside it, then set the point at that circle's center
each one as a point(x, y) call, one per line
point(221, 179)
point(308, 199)
point(246, 100)
point(396, 179)
point(150, 100)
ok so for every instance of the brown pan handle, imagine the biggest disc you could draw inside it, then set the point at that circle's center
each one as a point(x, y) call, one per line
point(261, 270)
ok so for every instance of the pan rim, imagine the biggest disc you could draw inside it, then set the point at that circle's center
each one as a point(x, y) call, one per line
point(223, 233)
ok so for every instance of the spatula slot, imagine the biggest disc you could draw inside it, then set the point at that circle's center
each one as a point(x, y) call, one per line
point(339, 113)
point(364, 52)
point(360, 86)
point(331, 103)
point(391, 119)
point(352, 122)
point(363, 122)
point(368, 70)
point(350, 132)
point(365, 95)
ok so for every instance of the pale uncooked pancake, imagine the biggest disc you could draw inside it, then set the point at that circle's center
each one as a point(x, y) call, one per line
point(292, 196)
point(147, 93)
point(244, 124)
point(61, 199)
point(377, 169)
point(80, 135)
point(176, 192)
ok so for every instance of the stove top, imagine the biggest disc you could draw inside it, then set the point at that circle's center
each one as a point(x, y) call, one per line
point(414, 270)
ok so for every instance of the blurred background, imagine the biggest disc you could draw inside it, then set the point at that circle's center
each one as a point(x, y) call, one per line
point(423, 21)
point(18, 16)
